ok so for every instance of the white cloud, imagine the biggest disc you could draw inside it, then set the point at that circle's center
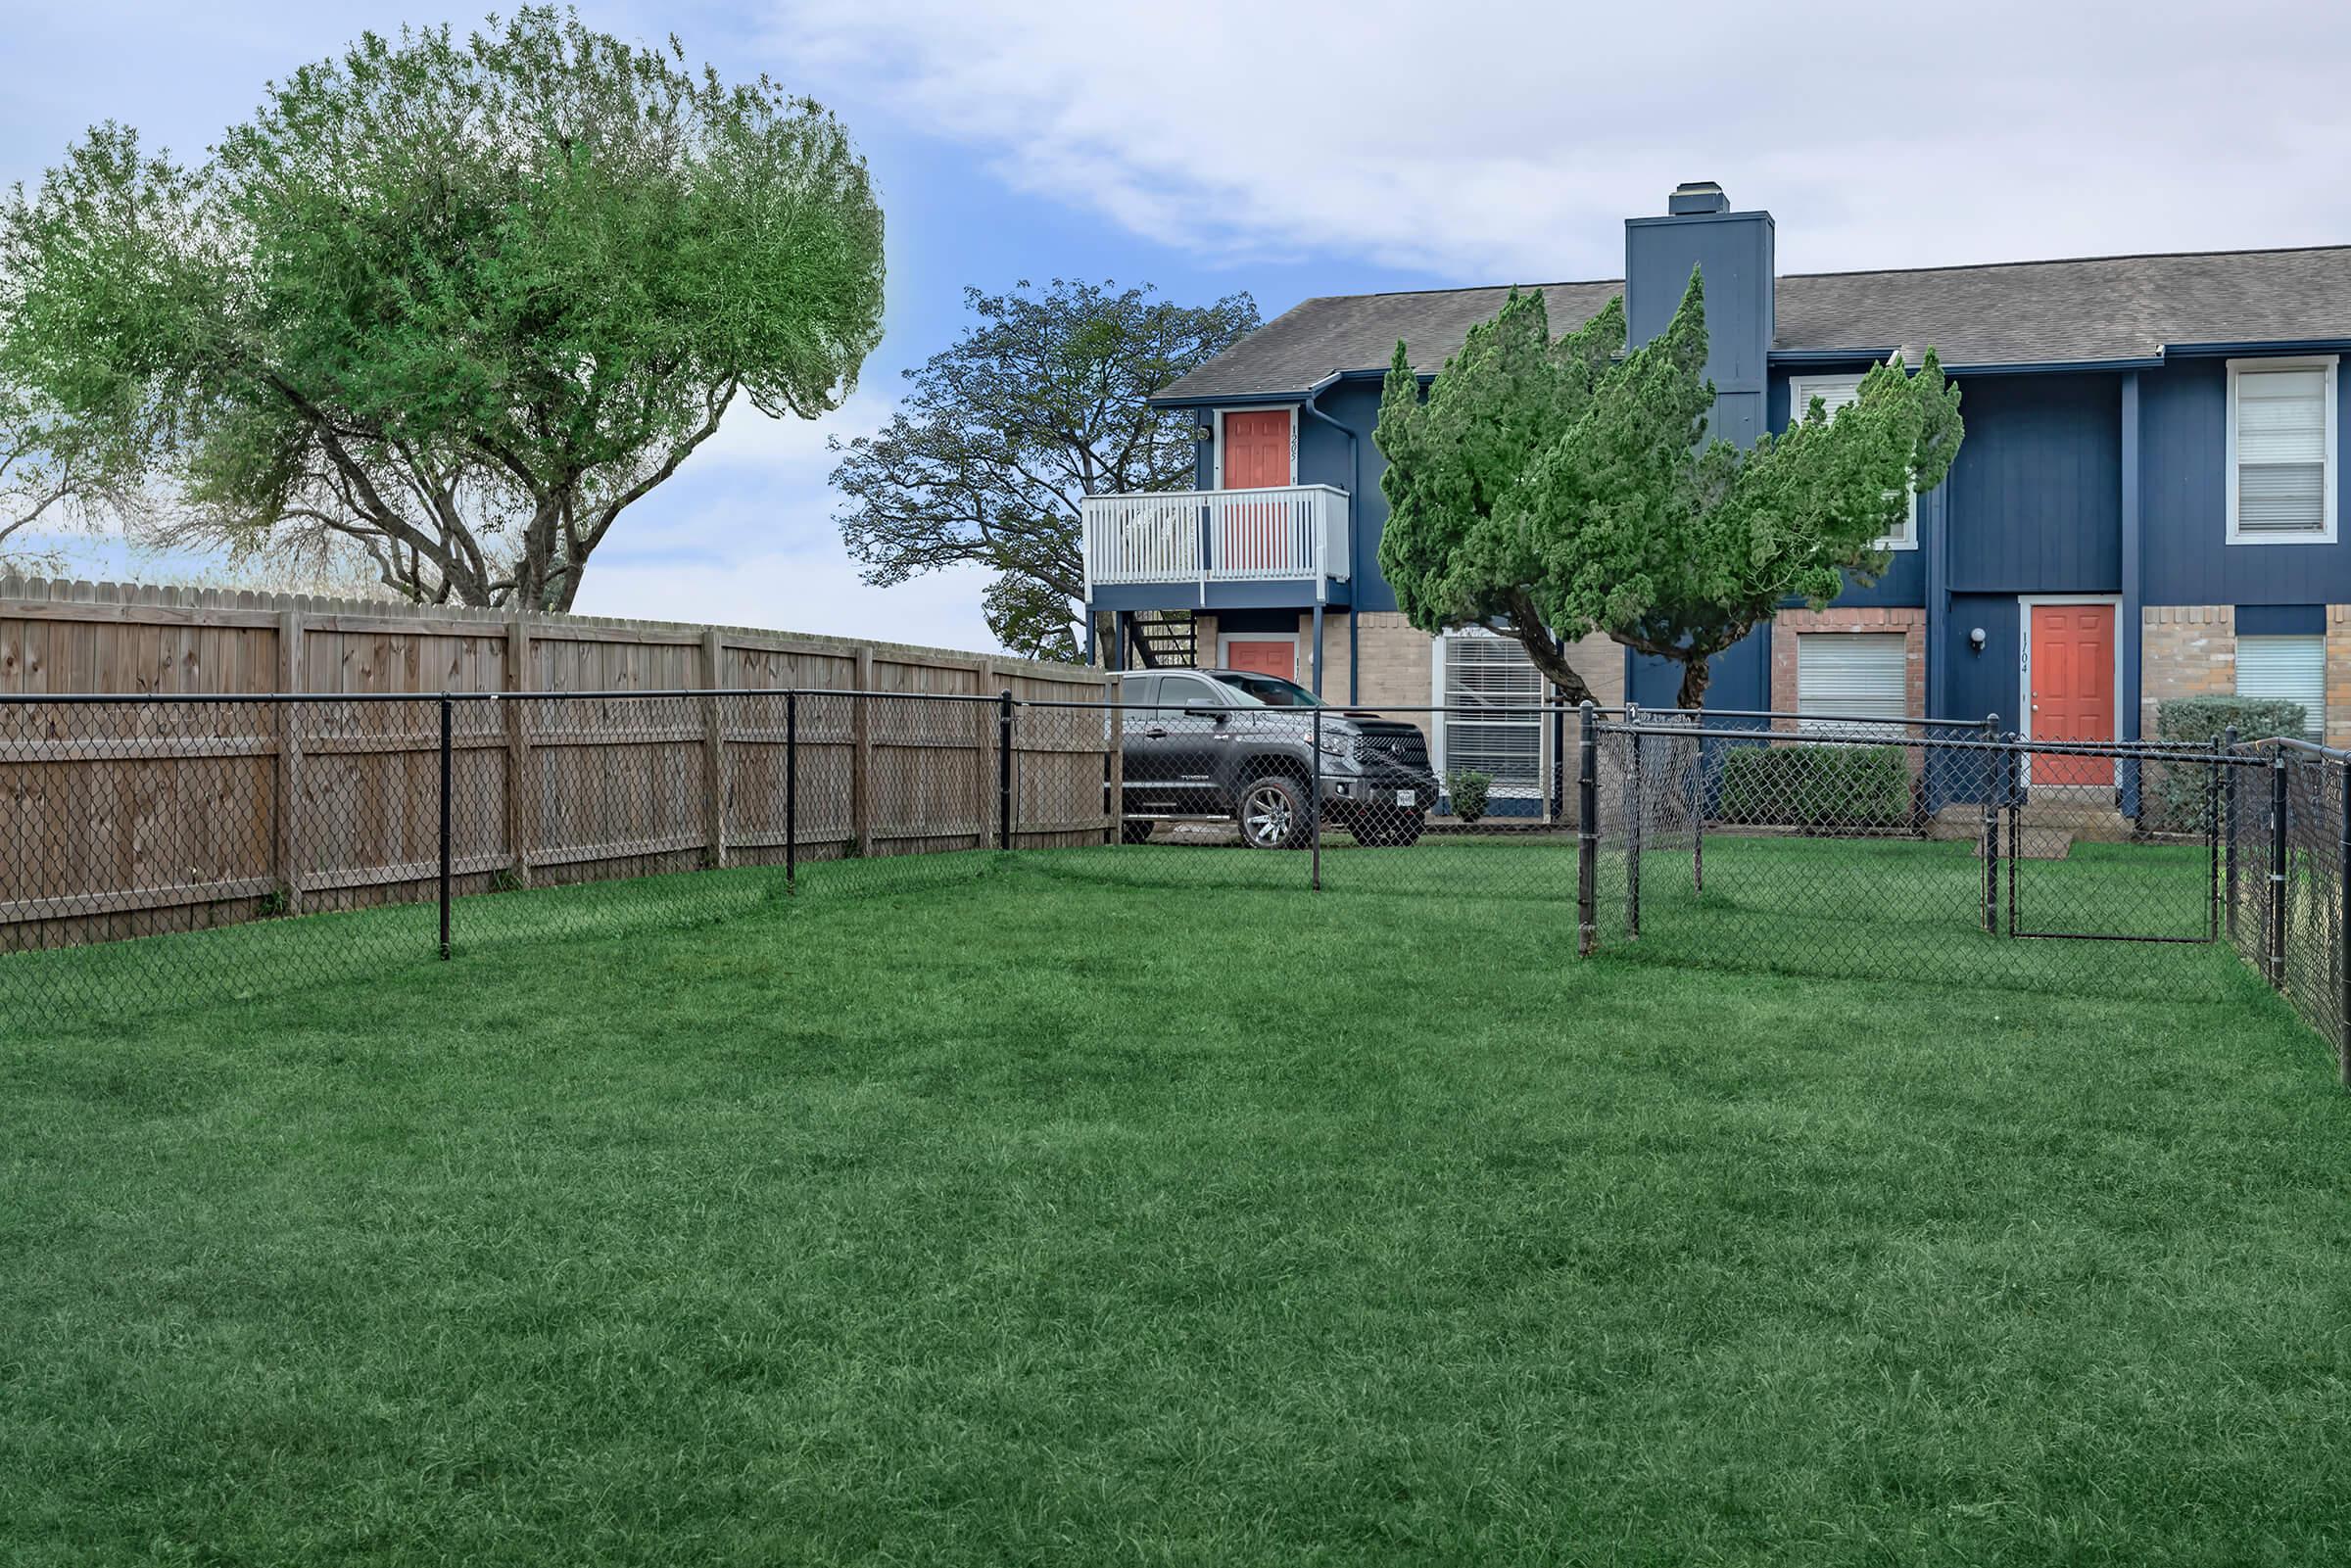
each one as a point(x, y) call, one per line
point(1506, 140)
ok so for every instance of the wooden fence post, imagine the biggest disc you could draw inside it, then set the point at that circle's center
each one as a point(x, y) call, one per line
point(521, 788)
point(714, 747)
point(289, 758)
point(861, 757)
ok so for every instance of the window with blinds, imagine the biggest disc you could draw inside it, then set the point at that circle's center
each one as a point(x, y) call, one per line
point(1842, 676)
point(1492, 719)
point(2290, 669)
point(2281, 450)
point(1842, 392)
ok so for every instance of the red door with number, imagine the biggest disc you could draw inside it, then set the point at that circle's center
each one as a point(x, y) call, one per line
point(1257, 457)
point(2072, 680)
point(1263, 657)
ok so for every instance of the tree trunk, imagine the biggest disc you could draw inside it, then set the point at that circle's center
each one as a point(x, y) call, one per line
point(1547, 657)
point(1696, 673)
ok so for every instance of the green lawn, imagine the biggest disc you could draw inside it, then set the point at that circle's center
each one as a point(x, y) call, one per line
point(1139, 1206)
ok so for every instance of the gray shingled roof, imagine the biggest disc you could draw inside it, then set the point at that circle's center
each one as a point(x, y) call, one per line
point(2017, 312)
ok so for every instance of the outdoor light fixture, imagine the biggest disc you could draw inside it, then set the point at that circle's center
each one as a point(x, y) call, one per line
point(1974, 639)
point(1203, 433)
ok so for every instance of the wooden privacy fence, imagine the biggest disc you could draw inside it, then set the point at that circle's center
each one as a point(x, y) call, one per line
point(132, 818)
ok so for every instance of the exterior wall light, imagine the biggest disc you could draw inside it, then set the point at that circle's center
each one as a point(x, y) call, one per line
point(1974, 639)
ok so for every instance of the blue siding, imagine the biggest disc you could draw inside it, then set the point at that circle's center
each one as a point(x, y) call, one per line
point(1323, 459)
point(2280, 620)
point(1738, 677)
point(2036, 496)
point(1733, 251)
point(1977, 683)
point(2183, 411)
point(1906, 577)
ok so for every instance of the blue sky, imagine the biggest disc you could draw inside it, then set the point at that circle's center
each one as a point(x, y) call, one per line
point(1314, 148)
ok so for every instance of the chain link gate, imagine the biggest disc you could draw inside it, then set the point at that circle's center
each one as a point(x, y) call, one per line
point(1949, 851)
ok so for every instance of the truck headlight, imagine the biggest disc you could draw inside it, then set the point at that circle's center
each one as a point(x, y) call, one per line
point(1337, 745)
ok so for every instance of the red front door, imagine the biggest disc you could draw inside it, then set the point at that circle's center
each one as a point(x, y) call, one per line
point(1257, 457)
point(2072, 680)
point(1263, 657)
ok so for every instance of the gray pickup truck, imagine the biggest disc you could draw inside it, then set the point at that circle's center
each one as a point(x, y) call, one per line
point(1232, 746)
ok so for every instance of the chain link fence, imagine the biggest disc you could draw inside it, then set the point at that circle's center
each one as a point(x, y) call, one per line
point(188, 851)
point(1955, 853)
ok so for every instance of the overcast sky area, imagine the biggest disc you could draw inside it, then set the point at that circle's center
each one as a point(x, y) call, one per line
point(1300, 149)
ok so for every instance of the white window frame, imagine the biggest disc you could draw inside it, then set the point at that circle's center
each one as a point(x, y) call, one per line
point(1891, 727)
point(1440, 762)
point(1290, 409)
point(2237, 371)
point(2316, 729)
point(1800, 392)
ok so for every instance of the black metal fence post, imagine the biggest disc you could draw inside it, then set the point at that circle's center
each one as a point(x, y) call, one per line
point(1004, 768)
point(447, 782)
point(2229, 833)
point(1558, 756)
point(2278, 901)
point(2012, 802)
point(1587, 833)
point(2212, 837)
point(1313, 806)
point(791, 790)
point(1992, 824)
point(1637, 808)
point(2342, 925)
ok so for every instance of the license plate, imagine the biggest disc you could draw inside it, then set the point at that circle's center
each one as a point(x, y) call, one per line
point(1408, 797)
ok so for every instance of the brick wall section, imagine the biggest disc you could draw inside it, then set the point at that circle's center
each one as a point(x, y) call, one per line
point(1396, 660)
point(2188, 651)
point(1909, 620)
point(2338, 675)
point(1399, 662)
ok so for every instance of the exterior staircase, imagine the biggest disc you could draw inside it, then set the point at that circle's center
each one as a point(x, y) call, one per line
point(1166, 640)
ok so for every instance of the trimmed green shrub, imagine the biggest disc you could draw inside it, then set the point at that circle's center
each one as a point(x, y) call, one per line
point(1816, 786)
point(2199, 721)
point(1470, 790)
point(2176, 797)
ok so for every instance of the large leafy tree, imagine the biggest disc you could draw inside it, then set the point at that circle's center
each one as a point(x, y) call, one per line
point(1039, 404)
point(1554, 487)
point(460, 302)
point(52, 477)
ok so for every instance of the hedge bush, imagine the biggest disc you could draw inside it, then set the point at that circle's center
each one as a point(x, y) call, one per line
point(2176, 799)
point(2199, 721)
point(1470, 790)
point(1816, 786)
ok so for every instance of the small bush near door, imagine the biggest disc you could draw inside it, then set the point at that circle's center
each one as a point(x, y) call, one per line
point(1816, 786)
point(2178, 797)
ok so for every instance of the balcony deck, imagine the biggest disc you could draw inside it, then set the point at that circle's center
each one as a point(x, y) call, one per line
point(1170, 549)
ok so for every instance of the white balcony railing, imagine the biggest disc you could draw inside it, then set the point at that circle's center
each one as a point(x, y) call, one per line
point(1295, 532)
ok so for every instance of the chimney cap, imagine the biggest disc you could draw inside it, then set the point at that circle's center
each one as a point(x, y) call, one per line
point(1697, 196)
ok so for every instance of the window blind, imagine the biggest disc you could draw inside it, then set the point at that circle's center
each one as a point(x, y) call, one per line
point(2281, 451)
point(2292, 669)
point(1855, 674)
point(1493, 722)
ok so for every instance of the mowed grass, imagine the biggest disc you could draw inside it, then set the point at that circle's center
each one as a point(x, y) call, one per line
point(1103, 1207)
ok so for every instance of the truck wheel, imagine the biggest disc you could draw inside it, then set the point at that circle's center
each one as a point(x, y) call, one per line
point(1134, 832)
point(1273, 814)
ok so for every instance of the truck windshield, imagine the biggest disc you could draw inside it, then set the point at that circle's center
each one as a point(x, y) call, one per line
point(1268, 691)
